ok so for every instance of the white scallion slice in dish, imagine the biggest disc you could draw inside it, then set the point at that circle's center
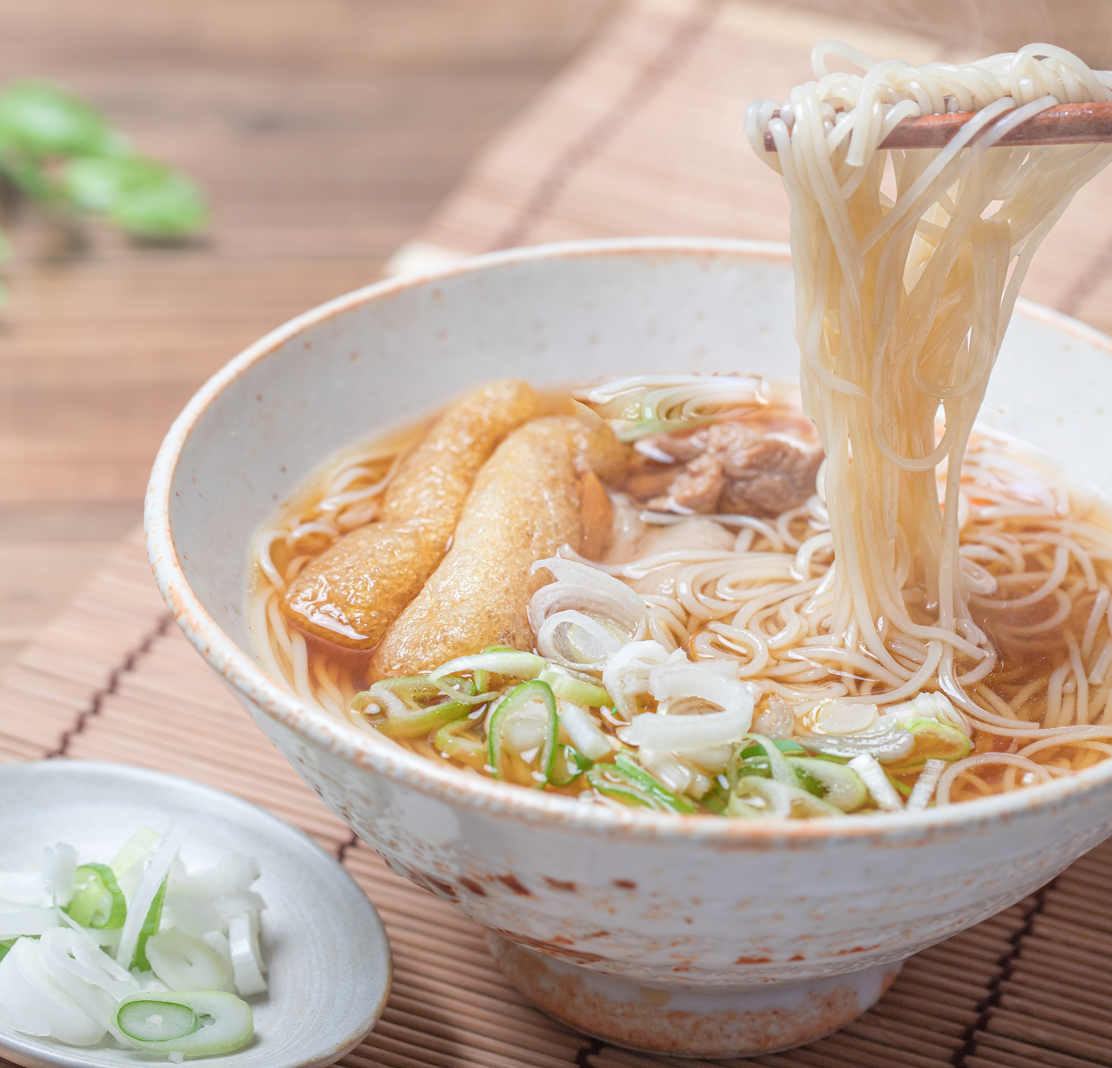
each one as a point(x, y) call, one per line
point(27, 921)
point(145, 905)
point(218, 835)
point(58, 872)
point(98, 901)
point(202, 1023)
point(133, 855)
point(183, 962)
point(88, 987)
point(247, 958)
point(35, 1005)
point(230, 875)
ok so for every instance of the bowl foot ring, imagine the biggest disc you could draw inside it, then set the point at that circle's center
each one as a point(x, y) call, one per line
point(690, 1021)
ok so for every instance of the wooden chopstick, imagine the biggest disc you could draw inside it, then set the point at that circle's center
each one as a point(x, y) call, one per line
point(1065, 124)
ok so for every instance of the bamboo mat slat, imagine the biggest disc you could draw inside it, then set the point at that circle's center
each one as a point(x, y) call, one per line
point(641, 135)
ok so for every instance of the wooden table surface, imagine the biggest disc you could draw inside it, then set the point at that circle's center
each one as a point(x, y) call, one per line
point(325, 133)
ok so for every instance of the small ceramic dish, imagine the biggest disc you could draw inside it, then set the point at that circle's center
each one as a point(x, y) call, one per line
point(326, 951)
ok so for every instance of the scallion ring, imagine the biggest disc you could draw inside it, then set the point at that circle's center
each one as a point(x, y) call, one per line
point(522, 700)
point(98, 901)
point(201, 1023)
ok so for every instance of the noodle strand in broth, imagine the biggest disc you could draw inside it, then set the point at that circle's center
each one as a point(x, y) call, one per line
point(902, 301)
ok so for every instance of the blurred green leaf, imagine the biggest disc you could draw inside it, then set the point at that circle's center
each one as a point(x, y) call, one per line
point(141, 196)
point(40, 120)
point(28, 177)
point(61, 153)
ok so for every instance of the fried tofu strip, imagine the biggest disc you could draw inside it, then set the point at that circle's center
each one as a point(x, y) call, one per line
point(355, 589)
point(527, 502)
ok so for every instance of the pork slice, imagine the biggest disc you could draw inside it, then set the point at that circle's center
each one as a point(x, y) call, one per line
point(676, 447)
point(761, 466)
point(696, 488)
point(769, 477)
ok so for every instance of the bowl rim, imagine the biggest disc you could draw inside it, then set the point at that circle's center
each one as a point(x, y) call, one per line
point(380, 755)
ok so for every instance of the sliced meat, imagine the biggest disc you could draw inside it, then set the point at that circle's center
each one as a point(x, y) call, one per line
point(776, 475)
point(754, 466)
point(696, 488)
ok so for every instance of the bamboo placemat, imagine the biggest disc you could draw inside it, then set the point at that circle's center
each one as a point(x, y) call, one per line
point(642, 135)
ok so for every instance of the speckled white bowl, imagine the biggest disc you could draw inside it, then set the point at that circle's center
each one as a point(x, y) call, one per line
point(692, 935)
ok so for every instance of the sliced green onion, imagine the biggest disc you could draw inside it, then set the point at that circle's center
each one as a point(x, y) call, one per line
point(778, 765)
point(34, 1002)
point(836, 784)
point(716, 798)
point(877, 782)
point(460, 688)
point(98, 901)
point(931, 740)
point(925, 785)
point(420, 724)
point(759, 798)
point(649, 404)
point(413, 705)
point(157, 1021)
point(520, 698)
point(148, 928)
point(482, 676)
point(59, 872)
point(246, 953)
point(608, 780)
point(785, 745)
point(572, 688)
point(568, 766)
point(135, 852)
point(144, 911)
point(756, 765)
point(449, 743)
point(5, 945)
point(201, 1023)
point(627, 781)
point(411, 691)
point(183, 962)
point(580, 728)
point(513, 663)
point(831, 781)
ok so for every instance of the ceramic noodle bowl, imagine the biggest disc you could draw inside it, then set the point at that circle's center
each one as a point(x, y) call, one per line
point(693, 935)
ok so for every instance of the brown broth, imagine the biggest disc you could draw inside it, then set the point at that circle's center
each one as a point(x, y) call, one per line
point(1032, 654)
